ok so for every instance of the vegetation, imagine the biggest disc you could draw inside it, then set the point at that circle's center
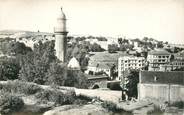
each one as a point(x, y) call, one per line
point(56, 96)
point(76, 79)
point(10, 103)
point(89, 37)
point(11, 94)
point(112, 48)
point(13, 48)
point(9, 69)
point(179, 104)
point(131, 83)
point(175, 49)
point(109, 106)
point(56, 74)
point(19, 87)
point(34, 65)
point(41, 66)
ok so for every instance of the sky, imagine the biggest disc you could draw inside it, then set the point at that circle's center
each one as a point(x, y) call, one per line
point(159, 19)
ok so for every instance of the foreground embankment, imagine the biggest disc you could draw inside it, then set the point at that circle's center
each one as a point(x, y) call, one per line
point(55, 100)
point(24, 96)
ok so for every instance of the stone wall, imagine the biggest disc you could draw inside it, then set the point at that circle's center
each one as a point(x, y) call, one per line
point(163, 92)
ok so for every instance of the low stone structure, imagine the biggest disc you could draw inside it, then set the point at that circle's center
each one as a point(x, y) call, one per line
point(164, 86)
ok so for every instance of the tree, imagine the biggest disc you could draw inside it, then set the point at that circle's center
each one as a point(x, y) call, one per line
point(160, 45)
point(9, 69)
point(145, 39)
point(95, 48)
point(132, 79)
point(76, 79)
point(120, 40)
point(122, 48)
point(14, 48)
point(34, 65)
point(41, 66)
point(56, 74)
point(112, 48)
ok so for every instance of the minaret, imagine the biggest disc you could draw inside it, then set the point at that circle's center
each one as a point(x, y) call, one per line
point(60, 37)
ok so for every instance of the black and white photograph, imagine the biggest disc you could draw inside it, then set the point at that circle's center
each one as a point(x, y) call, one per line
point(91, 57)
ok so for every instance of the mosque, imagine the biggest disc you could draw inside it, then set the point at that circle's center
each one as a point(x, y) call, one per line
point(61, 47)
point(61, 42)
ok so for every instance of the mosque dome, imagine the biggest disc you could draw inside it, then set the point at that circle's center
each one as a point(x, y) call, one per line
point(74, 64)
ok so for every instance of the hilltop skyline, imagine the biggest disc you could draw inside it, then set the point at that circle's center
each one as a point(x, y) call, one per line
point(159, 19)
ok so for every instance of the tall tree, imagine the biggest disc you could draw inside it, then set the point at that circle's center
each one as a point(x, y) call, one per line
point(34, 65)
point(130, 83)
point(56, 74)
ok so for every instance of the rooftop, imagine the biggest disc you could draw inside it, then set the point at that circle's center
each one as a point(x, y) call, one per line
point(131, 57)
point(103, 65)
point(73, 64)
point(158, 52)
point(91, 77)
point(106, 57)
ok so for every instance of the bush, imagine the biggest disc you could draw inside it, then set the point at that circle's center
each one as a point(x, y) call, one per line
point(55, 96)
point(20, 87)
point(81, 100)
point(10, 103)
point(179, 104)
point(109, 106)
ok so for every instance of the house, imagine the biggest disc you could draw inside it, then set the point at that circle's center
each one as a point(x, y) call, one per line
point(97, 68)
point(103, 62)
point(129, 62)
point(177, 62)
point(163, 86)
point(179, 55)
point(173, 65)
point(156, 58)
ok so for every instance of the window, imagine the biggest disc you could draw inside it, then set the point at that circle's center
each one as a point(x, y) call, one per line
point(159, 56)
point(163, 56)
point(155, 78)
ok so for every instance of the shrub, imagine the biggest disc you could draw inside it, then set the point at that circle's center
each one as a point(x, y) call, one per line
point(55, 96)
point(81, 100)
point(20, 87)
point(10, 103)
point(179, 104)
point(109, 106)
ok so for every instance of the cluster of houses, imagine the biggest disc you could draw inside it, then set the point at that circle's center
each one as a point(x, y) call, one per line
point(157, 79)
point(158, 76)
point(158, 59)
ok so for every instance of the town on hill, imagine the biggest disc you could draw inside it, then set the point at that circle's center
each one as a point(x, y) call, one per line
point(57, 73)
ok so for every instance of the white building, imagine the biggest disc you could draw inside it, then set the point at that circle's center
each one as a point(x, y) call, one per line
point(175, 64)
point(156, 58)
point(95, 68)
point(73, 64)
point(129, 62)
